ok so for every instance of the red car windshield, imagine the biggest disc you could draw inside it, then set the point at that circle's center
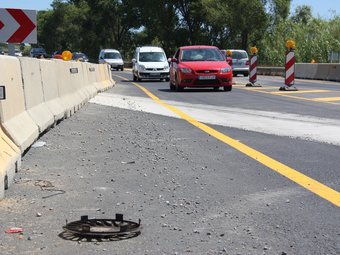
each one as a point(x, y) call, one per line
point(201, 54)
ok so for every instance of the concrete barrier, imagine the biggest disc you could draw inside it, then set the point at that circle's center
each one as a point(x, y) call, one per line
point(104, 77)
point(275, 71)
point(77, 80)
point(321, 72)
point(334, 72)
point(94, 74)
point(15, 120)
point(10, 158)
point(305, 70)
point(34, 96)
point(66, 90)
point(50, 89)
point(89, 79)
point(38, 94)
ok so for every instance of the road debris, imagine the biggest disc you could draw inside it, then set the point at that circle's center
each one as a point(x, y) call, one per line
point(14, 230)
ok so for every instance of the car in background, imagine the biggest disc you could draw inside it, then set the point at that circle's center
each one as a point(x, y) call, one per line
point(200, 66)
point(111, 57)
point(2, 51)
point(240, 64)
point(79, 56)
point(150, 62)
point(38, 53)
point(18, 53)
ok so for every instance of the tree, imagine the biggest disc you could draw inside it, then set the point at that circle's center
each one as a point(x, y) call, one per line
point(302, 14)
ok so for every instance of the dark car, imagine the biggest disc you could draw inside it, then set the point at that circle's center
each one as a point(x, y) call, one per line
point(38, 53)
point(79, 56)
point(1, 51)
point(200, 66)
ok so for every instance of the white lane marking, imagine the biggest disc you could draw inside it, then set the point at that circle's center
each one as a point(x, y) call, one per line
point(274, 123)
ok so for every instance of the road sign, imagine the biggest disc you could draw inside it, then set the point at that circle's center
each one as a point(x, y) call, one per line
point(18, 26)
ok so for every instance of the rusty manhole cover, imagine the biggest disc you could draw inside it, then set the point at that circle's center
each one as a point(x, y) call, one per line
point(103, 228)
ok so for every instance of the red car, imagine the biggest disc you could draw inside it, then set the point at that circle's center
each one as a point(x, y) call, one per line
point(200, 66)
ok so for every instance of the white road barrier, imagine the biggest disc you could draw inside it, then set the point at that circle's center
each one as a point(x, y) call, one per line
point(39, 93)
point(34, 96)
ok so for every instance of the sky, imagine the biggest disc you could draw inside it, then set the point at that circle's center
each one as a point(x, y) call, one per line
point(320, 8)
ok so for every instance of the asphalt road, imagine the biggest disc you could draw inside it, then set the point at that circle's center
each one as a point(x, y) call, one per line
point(198, 188)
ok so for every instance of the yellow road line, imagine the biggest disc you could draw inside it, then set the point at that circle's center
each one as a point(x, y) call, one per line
point(310, 184)
point(289, 96)
point(302, 91)
point(327, 99)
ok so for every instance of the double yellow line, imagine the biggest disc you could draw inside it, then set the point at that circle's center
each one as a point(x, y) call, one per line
point(310, 184)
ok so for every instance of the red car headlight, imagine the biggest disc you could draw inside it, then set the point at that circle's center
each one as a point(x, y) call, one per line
point(225, 70)
point(185, 70)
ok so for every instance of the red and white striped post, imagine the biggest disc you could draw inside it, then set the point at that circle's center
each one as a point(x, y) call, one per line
point(289, 67)
point(253, 68)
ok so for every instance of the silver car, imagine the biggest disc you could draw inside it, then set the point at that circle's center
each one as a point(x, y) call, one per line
point(240, 63)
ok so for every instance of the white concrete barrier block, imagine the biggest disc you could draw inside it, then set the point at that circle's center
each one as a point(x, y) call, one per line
point(15, 120)
point(334, 72)
point(67, 91)
point(77, 79)
point(89, 79)
point(34, 96)
point(10, 158)
point(50, 89)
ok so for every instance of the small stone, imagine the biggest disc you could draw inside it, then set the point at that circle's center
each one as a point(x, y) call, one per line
point(38, 214)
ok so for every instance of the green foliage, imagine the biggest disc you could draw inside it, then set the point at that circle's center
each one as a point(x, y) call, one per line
point(315, 39)
point(90, 25)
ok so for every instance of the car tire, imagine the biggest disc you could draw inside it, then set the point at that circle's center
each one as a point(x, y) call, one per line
point(122, 69)
point(167, 79)
point(245, 74)
point(177, 87)
point(216, 88)
point(227, 88)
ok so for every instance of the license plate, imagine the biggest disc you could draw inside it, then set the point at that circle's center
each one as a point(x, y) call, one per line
point(155, 74)
point(208, 77)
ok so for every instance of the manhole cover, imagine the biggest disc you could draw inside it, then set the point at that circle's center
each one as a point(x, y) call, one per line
point(103, 228)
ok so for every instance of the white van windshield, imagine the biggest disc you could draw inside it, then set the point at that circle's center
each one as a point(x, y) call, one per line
point(112, 55)
point(151, 57)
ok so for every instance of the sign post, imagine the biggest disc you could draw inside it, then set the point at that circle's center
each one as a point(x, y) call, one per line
point(18, 26)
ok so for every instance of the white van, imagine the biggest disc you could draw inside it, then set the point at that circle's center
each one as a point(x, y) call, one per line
point(150, 62)
point(111, 57)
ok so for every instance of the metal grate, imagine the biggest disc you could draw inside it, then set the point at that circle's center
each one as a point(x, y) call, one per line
point(103, 228)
